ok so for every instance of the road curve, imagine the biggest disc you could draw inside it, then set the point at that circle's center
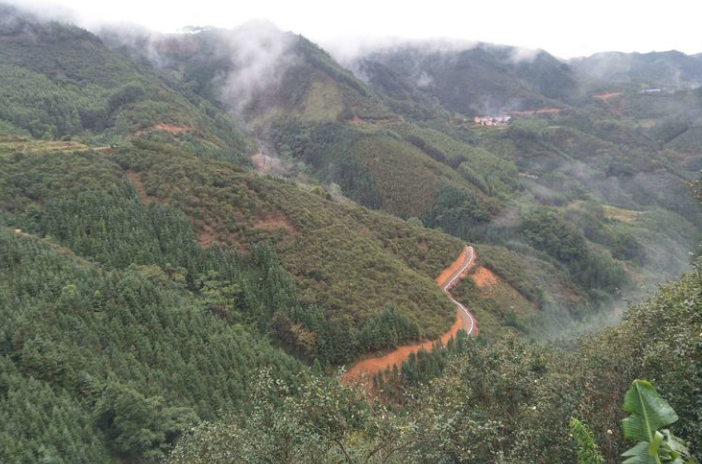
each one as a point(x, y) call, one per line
point(469, 320)
point(365, 369)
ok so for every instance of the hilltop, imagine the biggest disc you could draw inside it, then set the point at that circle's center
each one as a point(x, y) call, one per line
point(60, 81)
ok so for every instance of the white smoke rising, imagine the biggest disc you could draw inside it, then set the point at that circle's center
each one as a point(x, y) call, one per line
point(136, 40)
point(260, 53)
point(258, 50)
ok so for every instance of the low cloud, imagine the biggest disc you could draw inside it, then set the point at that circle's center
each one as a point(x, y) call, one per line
point(346, 50)
point(524, 55)
point(260, 53)
point(14, 10)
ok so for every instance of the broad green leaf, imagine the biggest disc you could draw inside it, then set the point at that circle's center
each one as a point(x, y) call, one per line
point(638, 454)
point(676, 450)
point(655, 444)
point(649, 412)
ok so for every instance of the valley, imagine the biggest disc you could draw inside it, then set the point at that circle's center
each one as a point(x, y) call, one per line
point(229, 245)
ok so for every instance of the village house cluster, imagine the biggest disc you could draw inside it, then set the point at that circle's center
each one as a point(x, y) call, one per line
point(492, 120)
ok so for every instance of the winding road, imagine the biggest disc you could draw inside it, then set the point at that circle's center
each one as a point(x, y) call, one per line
point(469, 259)
point(365, 369)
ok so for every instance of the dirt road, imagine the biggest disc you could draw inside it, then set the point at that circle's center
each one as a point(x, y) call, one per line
point(365, 369)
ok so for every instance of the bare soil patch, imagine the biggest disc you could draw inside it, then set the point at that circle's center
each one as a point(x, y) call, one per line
point(207, 237)
point(166, 127)
point(607, 96)
point(276, 221)
point(483, 277)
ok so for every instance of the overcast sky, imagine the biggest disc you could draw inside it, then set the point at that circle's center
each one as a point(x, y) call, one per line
point(564, 28)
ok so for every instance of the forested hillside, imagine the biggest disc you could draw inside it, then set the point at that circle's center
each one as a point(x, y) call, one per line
point(314, 121)
point(668, 69)
point(200, 231)
point(348, 264)
point(387, 145)
point(153, 250)
point(100, 361)
point(502, 402)
point(480, 79)
point(60, 81)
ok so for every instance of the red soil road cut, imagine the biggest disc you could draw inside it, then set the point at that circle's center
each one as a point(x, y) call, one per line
point(166, 127)
point(364, 370)
point(606, 96)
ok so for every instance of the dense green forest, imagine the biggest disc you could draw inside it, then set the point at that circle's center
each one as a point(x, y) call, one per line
point(146, 303)
point(62, 81)
point(475, 401)
point(350, 253)
point(191, 259)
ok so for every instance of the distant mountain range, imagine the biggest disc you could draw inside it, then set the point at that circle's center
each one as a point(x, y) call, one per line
point(673, 70)
point(498, 79)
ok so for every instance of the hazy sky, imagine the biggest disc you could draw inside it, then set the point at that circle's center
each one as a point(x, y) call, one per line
point(564, 28)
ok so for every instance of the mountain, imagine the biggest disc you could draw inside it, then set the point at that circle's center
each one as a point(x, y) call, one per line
point(482, 79)
point(315, 103)
point(671, 69)
point(198, 231)
point(62, 81)
point(261, 71)
point(315, 122)
point(393, 145)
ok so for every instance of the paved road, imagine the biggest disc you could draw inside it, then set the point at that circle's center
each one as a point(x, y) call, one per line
point(468, 319)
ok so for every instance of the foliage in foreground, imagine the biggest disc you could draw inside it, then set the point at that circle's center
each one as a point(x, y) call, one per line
point(649, 414)
point(588, 452)
point(509, 400)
